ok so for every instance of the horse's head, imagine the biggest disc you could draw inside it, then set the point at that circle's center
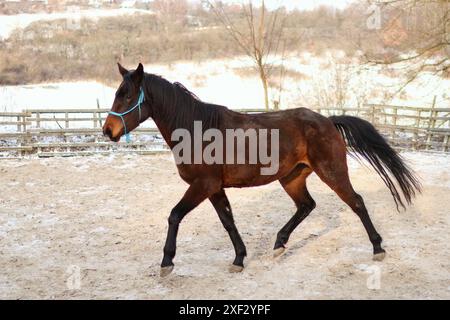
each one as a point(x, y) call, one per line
point(127, 111)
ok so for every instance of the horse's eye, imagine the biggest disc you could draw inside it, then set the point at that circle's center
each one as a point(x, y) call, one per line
point(128, 97)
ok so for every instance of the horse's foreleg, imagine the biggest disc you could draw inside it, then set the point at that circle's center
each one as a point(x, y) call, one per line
point(222, 205)
point(196, 193)
point(295, 185)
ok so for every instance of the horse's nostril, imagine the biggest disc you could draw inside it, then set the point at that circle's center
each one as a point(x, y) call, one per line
point(107, 132)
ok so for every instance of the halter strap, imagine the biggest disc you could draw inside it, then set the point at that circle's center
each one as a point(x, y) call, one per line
point(141, 99)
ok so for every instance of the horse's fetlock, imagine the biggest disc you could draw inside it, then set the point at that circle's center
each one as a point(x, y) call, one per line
point(282, 237)
point(377, 239)
point(169, 252)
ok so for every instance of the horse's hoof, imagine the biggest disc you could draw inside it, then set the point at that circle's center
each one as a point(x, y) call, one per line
point(235, 269)
point(165, 271)
point(278, 251)
point(379, 256)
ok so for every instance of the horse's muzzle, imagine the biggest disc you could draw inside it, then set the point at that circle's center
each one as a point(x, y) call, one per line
point(107, 131)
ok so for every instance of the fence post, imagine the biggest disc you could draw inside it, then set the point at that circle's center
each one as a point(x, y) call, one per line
point(94, 117)
point(416, 129)
point(372, 115)
point(25, 115)
point(395, 109)
point(99, 114)
point(431, 124)
point(445, 143)
point(26, 140)
point(66, 116)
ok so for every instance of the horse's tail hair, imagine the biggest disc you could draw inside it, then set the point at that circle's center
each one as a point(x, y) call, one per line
point(366, 142)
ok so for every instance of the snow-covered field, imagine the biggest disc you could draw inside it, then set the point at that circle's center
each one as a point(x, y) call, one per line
point(8, 23)
point(103, 220)
point(311, 80)
point(64, 95)
point(231, 82)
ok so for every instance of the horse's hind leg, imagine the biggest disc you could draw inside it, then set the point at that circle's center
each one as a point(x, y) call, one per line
point(332, 169)
point(220, 202)
point(295, 186)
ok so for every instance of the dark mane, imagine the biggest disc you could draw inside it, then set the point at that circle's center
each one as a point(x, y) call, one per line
point(185, 90)
point(178, 106)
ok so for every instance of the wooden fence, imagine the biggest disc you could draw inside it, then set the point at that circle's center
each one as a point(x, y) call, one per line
point(405, 127)
point(67, 132)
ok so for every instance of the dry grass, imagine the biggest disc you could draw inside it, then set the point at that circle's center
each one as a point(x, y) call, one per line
point(53, 51)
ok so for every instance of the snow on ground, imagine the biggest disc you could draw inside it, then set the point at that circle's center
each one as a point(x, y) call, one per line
point(222, 82)
point(231, 82)
point(8, 23)
point(62, 95)
point(215, 81)
point(107, 218)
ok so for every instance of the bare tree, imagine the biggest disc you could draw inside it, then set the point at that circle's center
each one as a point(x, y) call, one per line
point(170, 13)
point(332, 88)
point(258, 35)
point(416, 33)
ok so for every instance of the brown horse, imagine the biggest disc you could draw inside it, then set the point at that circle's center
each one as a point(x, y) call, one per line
point(308, 142)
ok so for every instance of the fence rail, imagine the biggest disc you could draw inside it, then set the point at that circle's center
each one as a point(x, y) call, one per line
point(50, 132)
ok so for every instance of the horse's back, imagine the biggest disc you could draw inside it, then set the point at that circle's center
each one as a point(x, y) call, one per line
point(296, 118)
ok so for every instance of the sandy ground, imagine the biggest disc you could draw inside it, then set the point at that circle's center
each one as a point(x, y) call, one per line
point(107, 218)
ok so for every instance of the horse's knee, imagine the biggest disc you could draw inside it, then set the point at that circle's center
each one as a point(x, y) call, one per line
point(175, 217)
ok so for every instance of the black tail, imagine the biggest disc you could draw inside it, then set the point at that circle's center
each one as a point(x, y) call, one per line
point(366, 141)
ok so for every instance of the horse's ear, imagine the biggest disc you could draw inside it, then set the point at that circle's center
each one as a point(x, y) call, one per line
point(122, 70)
point(138, 74)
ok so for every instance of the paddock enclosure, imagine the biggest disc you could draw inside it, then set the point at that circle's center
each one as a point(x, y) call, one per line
point(68, 132)
point(78, 227)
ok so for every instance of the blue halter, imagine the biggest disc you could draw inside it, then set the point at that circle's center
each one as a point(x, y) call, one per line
point(121, 115)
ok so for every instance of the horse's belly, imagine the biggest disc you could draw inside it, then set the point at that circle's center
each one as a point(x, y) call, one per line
point(241, 176)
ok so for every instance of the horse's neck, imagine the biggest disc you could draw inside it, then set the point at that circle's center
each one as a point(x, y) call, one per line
point(159, 116)
point(162, 116)
point(165, 130)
